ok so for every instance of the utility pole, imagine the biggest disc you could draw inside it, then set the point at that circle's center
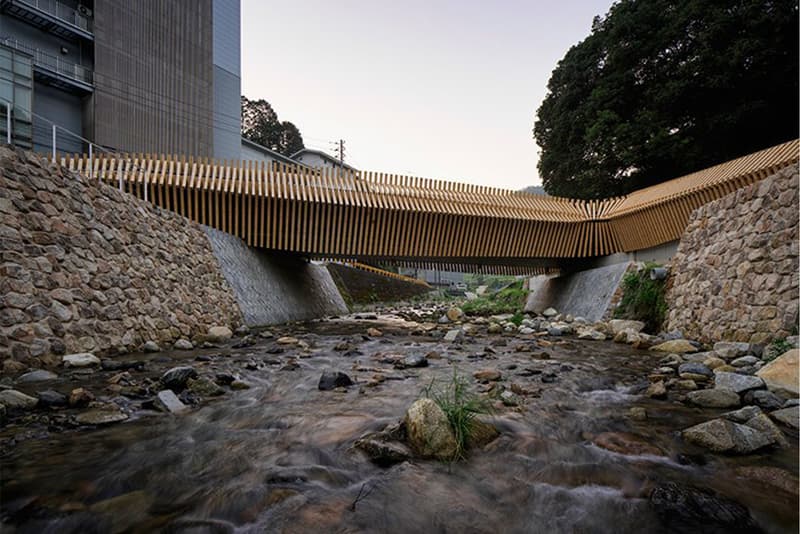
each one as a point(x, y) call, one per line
point(340, 153)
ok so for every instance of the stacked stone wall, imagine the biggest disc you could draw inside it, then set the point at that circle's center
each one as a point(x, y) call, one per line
point(735, 275)
point(85, 267)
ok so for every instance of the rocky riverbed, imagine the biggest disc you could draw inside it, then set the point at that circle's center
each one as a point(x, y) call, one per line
point(259, 433)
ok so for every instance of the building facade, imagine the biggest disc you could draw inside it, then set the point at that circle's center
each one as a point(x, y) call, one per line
point(319, 160)
point(161, 76)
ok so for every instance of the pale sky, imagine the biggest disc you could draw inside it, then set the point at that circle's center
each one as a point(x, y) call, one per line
point(437, 89)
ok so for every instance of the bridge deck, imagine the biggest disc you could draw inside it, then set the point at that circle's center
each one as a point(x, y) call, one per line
point(371, 216)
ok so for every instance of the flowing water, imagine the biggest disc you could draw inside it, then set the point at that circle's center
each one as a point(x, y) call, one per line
point(279, 457)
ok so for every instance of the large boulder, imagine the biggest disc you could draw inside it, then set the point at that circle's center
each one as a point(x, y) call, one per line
point(678, 346)
point(787, 416)
point(429, 432)
point(621, 325)
point(781, 374)
point(736, 382)
point(217, 334)
point(714, 398)
point(689, 509)
point(176, 378)
point(721, 435)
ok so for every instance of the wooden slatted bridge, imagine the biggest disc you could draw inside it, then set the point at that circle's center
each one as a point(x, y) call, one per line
point(375, 217)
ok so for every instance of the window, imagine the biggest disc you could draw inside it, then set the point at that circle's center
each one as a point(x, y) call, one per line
point(16, 89)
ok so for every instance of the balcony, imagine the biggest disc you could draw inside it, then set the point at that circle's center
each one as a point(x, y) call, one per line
point(51, 16)
point(53, 70)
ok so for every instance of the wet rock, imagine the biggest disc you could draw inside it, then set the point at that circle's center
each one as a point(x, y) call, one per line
point(721, 435)
point(204, 387)
point(101, 416)
point(443, 320)
point(332, 380)
point(637, 413)
point(454, 335)
point(689, 509)
point(550, 312)
point(382, 452)
point(487, 375)
point(414, 360)
point(167, 401)
point(549, 378)
point(183, 344)
point(692, 368)
point(113, 365)
point(671, 360)
point(266, 334)
point(49, 397)
point(239, 385)
point(686, 385)
point(509, 398)
point(124, 512)
point(763, 398)
point(555, 331)
point(243, 330)
point(714, 398)
point(39, 375)
point(81, 359)
point(656, 390)
point(481, 433)
point(744, 361)
point(219, 334)
point(374, 332)
point(786, 416)
point(429, 432)
point(591, 333)
point(176, 378)
point(16, 400)
point(781, 375)
point(678, 346)
point(729, 350)
point(625, 443)
point(80, 397)
point(151, 346)
point(455, 314)
point(763, 424)
point(774, 477)
point(736, 382)
point(495, 328)
point(621, 325)
point(742, 415)
point(246, 341)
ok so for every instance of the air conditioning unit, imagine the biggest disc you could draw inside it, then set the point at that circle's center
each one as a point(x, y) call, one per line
point(85, 11)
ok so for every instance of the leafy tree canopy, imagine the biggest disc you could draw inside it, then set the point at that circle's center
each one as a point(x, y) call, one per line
point(662, 88)
point(260, 124)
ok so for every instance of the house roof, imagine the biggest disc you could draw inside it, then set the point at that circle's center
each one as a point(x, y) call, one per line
point(271, 153)
point(323, 155)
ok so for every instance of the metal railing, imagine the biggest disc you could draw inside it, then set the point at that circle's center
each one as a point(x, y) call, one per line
point(53, 63)
point(61, 11)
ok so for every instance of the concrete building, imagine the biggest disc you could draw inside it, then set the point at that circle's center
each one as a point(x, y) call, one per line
point(254, 152)
point(319, 160)
point(160, 76)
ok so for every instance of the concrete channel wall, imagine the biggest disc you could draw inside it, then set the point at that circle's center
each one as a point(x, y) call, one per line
point(272, 288)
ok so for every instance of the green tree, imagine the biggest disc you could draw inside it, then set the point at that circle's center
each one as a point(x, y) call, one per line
point(261, 125)
point(662, 88)
point(291, 139)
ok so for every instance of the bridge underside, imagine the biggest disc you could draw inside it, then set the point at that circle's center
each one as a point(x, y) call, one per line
point(378, 218)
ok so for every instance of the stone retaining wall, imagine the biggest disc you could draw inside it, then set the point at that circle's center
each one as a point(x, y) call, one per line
point(735, 275)
point(85, 267)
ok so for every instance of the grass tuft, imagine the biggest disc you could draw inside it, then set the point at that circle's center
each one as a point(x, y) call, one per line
point(461, 407)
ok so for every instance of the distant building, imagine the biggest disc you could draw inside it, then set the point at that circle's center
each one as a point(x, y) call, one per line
point(155, 76)
point(319, 160)
point(254, 152)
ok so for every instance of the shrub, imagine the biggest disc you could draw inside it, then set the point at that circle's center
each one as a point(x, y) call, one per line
point(461, 406)
point(643, 299)
point(776, 348)
point(510, 299)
